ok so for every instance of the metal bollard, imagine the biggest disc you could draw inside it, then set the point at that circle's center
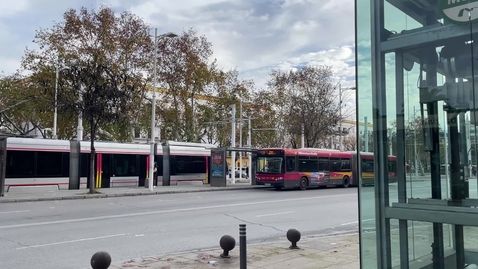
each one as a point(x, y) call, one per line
point(242, 246)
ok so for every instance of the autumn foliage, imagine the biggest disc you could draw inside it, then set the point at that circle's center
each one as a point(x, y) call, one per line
point(105, 63)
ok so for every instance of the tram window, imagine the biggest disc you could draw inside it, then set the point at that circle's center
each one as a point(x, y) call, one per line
point(189, 165)
point(335, 165)
point(345, 164)
point(125, 165)
point(198, 164)
point(20, 164)
point(65, 170)
point(49, 164)
point(85, 165)
point(324, 164)
point(290, 164)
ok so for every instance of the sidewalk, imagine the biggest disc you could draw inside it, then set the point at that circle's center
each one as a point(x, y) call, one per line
point(33, 195)
point(337, 252)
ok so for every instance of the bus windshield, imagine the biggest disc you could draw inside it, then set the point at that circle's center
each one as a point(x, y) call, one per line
point(272, 165)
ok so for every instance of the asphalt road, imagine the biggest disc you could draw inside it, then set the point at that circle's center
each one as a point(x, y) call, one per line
point(64, 234)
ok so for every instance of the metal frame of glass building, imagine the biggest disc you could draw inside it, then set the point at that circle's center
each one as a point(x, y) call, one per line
point(416, 62)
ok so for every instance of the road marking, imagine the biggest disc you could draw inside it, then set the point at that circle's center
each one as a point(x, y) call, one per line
point(354, 222)
point(158, 201)
point(19, 211)
point(275, 214)
point(72, 241)
point(169, 211)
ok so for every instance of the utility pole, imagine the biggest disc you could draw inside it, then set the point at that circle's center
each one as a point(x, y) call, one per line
point(302, 136)
point(415, 144)
point(240, 140)
point(55, 114)
point(249, 144)
point(365, 131)
point(340, 117)
point(153, 114)
point(79, 128)
point(233, 144)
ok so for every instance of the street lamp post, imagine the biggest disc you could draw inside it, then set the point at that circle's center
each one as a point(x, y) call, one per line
point(153, 110)
point(55, 114)
point(340, 113)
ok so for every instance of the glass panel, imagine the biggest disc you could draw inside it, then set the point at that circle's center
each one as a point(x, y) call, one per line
point(367, 231)
point(272, 165)
point(439, 133)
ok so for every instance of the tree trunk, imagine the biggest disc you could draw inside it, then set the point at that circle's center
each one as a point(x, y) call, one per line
point(92, 156)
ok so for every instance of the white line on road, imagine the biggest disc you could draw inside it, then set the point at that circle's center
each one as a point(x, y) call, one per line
point(275, 214)
point(169, 211)
point(354, 222)
point(9, 212)
point(72, 241)
point(158, 201)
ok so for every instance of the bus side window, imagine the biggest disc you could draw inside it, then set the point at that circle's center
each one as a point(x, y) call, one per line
point(335, 165)
point(290, 164)
point(345, 165)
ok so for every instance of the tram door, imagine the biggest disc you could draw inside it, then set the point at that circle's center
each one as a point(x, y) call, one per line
point(106, 173)
point(102, 170)
point(143, 164)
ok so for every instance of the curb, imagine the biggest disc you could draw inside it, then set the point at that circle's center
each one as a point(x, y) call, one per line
point(102, 195)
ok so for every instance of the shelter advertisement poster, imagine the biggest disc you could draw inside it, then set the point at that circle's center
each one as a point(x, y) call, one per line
point(217, 164)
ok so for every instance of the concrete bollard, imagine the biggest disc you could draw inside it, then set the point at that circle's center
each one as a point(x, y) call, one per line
point(293, 236)
point(100, 260)
point(227, 244)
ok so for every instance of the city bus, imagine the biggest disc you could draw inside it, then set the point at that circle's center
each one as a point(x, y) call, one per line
point(303, 168)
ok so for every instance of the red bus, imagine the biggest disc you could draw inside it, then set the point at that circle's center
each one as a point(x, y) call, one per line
point(292, 168)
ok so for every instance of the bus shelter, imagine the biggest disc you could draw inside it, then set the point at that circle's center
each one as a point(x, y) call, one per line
point(219, 168)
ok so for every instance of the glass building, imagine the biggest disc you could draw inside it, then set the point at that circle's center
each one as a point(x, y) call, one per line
point(416, 63)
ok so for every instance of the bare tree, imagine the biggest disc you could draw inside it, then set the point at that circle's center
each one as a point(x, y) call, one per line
point(98, 48)
point(349, 143)
point(305, 97)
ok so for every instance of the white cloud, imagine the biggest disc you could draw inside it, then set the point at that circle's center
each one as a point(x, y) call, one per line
point(253, 36)
point(12, 8)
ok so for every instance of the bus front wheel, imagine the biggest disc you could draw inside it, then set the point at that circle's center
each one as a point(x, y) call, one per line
point(303, 183)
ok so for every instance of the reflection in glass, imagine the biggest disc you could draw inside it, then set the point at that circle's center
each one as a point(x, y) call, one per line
point(427, 75)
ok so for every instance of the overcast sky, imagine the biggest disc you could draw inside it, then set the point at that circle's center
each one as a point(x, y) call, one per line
point(253, 36)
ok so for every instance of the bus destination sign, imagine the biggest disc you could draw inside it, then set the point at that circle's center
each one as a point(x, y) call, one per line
point(270, 152)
